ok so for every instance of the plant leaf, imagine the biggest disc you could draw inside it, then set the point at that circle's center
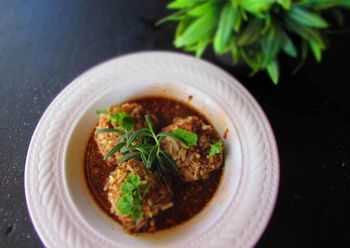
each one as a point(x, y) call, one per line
point(243, 14)
point(161, 166)
point(133, 179)
point(177, 16)
point(129, 156)
point(121, 137)
point(237, 20)
point(216, 148)
point(189, 138)
point(144, 160)
point(198, 30)
point(271, 44)
point(127, 188)
point(304, 53)
point(203, 8)
point(234, 51)
point(137, 212)
point(267, 23)
point(125, 204)
point(152, 155)
point(251, 33)
point(182, 26)
point(289, 47)
point(161, 171)
point(225, 28)
point(316, 50)
point(124, 150)
point(124, 120)
point(138, 133)
point(201, 46)
point(149, 122)
point(235, 3)
point(286, 4)
point(345, 3)
point(180, 4)
point(174, 136)
point(338, 16)
point(273, 71)
point(307, 18)
point(114, 150)
point(256, 6)
point(321, 4)
point(143, 148)
point(249, 60)
point(169, 159)
point(305, 32)
point(131, 199)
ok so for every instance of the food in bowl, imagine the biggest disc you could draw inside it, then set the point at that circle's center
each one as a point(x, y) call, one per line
point(153, 163)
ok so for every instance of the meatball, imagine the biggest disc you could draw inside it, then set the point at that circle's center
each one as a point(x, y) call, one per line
point(106, 141)
point(157, 197)
point(193, 162)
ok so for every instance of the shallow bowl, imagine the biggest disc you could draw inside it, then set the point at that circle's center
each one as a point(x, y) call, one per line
point(61, 207)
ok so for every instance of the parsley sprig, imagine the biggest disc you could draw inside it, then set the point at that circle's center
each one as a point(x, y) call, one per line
point(133, 191)
point(189, 138)
point(124, 120)
point(145, 145)
point(216, 148)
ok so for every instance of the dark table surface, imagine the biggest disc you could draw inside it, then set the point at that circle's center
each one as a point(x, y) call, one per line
point(46, 44)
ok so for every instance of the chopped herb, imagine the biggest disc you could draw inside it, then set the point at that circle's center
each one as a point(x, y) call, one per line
point(130, 203)
point(189, 138)
point(102, 111)
point(216, 148)
point(124, 120)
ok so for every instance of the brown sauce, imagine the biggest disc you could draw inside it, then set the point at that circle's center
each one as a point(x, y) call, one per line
point(189, 197)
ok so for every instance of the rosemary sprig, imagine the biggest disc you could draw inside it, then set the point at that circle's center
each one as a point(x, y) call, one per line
point(145, 145)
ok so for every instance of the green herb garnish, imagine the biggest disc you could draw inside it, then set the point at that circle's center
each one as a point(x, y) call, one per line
point(102, 111)
point(124, 120)
point(189, 138)
point(144, 145)
point(216, 148)
point(255, 32)
point(130, 203)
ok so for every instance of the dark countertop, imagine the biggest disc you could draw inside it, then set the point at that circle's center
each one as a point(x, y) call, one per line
point(46, 44)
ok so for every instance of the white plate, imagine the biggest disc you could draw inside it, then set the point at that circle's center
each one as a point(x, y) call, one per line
point(59, 203)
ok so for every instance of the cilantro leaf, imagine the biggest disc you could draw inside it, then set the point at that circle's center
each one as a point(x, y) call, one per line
point(124, 120)
point(102, 111)
point(189, 138)
point(216, 148)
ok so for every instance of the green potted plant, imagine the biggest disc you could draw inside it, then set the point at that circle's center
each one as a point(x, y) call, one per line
point(254, 31)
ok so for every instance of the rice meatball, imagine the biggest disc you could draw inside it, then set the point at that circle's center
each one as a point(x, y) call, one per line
point(193, 162)
point(156, 196)
point(106, 141)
